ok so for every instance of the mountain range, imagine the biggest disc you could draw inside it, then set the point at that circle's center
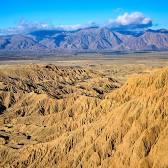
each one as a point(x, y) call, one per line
point(90, 39)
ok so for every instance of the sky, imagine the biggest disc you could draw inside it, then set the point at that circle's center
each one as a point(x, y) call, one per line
point(16, 14)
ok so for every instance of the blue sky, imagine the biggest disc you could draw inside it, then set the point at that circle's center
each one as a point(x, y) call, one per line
point(70, 12)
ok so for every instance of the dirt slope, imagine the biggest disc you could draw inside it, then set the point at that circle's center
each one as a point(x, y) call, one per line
point(71, 117)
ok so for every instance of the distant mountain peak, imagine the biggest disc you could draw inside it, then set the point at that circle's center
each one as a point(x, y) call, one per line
point(91, 38)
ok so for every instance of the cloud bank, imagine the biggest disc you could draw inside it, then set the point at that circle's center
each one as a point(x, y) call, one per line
point(135, 20)
point(24, 27)
point(127, 21)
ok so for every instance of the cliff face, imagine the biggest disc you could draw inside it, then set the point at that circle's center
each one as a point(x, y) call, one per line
point(72, 117)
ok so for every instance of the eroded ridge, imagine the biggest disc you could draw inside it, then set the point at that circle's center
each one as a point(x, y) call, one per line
point(73, 117)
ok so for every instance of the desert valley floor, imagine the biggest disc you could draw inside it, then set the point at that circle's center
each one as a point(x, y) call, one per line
point(84, 113)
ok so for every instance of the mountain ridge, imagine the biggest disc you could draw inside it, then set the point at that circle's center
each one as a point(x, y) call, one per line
point(93, 39)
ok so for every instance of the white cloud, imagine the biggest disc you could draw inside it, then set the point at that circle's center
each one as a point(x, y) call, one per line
point(127, 21)
point(70, 27)
point(26, 27)
point(133, 20)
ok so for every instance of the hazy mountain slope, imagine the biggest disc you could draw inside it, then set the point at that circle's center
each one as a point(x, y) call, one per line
point(72, 117)
point(87, 39)
point(19, 42)
point(4, 41)
point(92, 39)
point(148, 41)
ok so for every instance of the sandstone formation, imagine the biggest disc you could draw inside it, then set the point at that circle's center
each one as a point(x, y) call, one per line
point(54, 116)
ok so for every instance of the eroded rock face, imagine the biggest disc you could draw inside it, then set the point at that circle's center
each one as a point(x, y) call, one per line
point(74, 117)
